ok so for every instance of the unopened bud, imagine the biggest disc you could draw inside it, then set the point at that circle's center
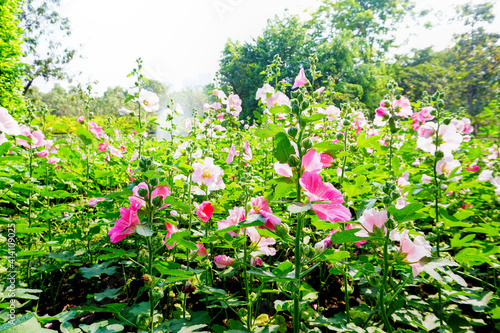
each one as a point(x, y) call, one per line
point(143, 192)
point(307, 143)
point(446, 121)
point(154, 181)
point(340, 136)
point(293, 161)
point(158, 201)
point(292, 131)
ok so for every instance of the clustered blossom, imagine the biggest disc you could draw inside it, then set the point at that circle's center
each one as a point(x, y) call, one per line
point(399, 107)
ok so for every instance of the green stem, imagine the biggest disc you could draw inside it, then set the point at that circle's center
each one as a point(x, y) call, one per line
point(296, 293)
point(247, 292)
point(387, 325)
point(346, 289)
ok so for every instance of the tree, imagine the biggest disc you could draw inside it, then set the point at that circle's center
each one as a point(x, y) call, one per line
point(10, 57)
point(44, 29)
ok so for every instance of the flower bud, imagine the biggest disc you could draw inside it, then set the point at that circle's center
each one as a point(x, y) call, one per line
point(386, 200)
point(158, 201)
point(446, 121)
point(304, 105)
point(293, 161)
point(292, 131)
point(302, 122)
point(307, 143)
point(340, 136)
point(188, 287)
point(143, 192)
point(154, 181)
point(320, 247)
point(347, 123)
point(148, 280)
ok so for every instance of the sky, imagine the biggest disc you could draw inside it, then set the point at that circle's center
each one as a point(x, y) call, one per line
point(181, 42)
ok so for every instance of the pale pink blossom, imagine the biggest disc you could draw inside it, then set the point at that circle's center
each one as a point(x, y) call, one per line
point(7, 124)
point(381, 112)
point(43, 153)
point(93, 201)
point(236, 215)
point(53, 160)
point(414, 251)
point(202, 251)
point(283, 169)
point(326, 160)
point(134, 156)
point(222, 261)
point(300, 80)
point(259, 204)
point(425, 114)
point(372, 220)
point(149, 100)
point(446, 165)
point(206, 172)
point(163, 191)
point(262, 243)
point(426, 179)
point(230, 156)
point(402, 107)
point(204, 211)
point(311, 162)
point(233, 105)
point(37, 138)
point(247, 155)
point(277, 99)
point(81, 119)
point(316, 190)
point(332, 112)
point(220, 94)
point(485, 175)
point(263, 92)
point(103, 146)
point(124, 111)
point(426, 130)
point(115, 152)
point(319, 90)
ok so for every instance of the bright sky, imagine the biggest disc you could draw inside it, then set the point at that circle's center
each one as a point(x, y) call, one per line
point(181, 40)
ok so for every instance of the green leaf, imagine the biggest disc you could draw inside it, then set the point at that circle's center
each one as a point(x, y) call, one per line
point(269, 131)
point(327, 145)
point(108, 293)
point(280, 109)
point(143, 230)
point(298, 207)
point(367, 204)
point(407, 213)
point(314, 117)
point(4, 147)
point(346, 236)
point(97, 270)
point(282, 147)
point(84, 135)
point(24, 324)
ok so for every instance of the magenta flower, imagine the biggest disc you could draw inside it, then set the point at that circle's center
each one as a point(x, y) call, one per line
point(81, 119)
point(414, 251)
point(126, 224)
point(230, 156)
point(7, 124)
point(381, 112)
point(311, 162)
point(326, 160)
point(256, 261)
point(96, 130)
point(316, 190)
point(103, 146)
point(372, 220)
point(270, 220)
point(206, 172)
point(171, 229)
point(259, 204)
point(204, 211)
point(202, 251)
point(300, 80)
point(37, 138)
point(473, 168)
point(93, 201)
point(222, 261)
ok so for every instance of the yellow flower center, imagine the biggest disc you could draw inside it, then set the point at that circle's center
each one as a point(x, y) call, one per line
point(206, 174)
point(256, 209)
point(146, 103)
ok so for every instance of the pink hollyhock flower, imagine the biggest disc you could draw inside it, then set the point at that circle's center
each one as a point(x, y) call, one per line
point(220, 116)
point(103, 146)
point(262, 243)
point(134, 156)
point(316, 190)
point(446, 165)
point(311, 162)
point(96, 130)
point(247, 155)
point(449, 139)
point(415, 125)
point(236, 215)
point(124, 111)
point(332, 112)
point(473, 168)
point(123, 148)
point(126, 224)
point(81, 119)
point(262, 92)
point(93, 201)
point(163, 191)
point(233, 105)
point(425, 114)
point(485, 175)
point(206, 172)
point(53, 160)
point(277, 99)
point(426, 179)
point(256, 261)
point(465, 206)
point(402, 107)
point(43, 153)
point(37, 138)
point(319, 90)
point(7, 124)
point(300, 80)
point(3, 139)
point(371, 220)
point(115, 152)
point(259, 204)
point(414, 251)
point(49, 145)
point(204, 211)
point(326, 160)
point(270, 220)
point(149, 100)
point(427, 130)
point(202, 251)
point(230, 156)
point(385, 103)
point(283, 169)
point(220, 94)
point(222, 261)
point(381, 112)
point(171, 229)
